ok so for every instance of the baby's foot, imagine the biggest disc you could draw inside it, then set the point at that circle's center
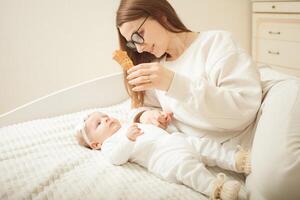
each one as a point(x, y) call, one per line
point(217, 187)
point(243, 161)
point(230, 190)
point(227, 190)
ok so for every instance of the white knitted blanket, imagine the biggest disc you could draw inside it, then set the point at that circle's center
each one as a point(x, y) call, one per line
point(41, 159)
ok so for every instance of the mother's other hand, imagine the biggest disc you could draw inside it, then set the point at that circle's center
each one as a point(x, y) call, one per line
point(156, 117)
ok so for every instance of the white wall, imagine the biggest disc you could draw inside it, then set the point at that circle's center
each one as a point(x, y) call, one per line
point(230, 15)
point(47, 45)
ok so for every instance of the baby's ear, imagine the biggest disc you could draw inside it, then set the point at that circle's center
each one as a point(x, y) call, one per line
point(80, 139)
point(95, 145)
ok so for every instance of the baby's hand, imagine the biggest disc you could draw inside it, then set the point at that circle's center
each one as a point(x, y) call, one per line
point(157, 118)
point(134, 132)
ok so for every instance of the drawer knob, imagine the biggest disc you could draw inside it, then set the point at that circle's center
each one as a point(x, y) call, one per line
point(274, 52)
point(274, 33)
point(273, 6)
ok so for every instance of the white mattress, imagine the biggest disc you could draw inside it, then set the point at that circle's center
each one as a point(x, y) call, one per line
point(41, 159)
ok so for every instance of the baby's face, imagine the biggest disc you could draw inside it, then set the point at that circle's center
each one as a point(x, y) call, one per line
point(99, 127)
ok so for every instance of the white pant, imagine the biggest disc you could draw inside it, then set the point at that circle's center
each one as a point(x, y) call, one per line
point(182, 159)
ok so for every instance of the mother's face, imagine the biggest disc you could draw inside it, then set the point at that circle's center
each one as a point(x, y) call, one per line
point(156, 37)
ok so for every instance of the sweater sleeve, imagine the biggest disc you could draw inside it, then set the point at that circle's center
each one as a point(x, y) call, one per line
point(118, 153)
point(227, 97)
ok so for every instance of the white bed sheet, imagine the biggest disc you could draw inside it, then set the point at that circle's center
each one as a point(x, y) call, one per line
point(41, 159)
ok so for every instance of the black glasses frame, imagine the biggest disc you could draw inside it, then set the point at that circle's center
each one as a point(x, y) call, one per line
point(140, 40)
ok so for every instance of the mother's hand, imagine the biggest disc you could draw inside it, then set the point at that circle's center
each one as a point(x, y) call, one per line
point(158, 118)
point(150, 76)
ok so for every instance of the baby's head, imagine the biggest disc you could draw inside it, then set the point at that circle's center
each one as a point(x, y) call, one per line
point(95, 129)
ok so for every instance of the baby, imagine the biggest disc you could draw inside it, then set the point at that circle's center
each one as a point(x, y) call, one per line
point(175, 157)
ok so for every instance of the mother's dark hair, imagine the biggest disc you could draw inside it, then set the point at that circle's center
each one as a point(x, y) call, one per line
point(160, 10)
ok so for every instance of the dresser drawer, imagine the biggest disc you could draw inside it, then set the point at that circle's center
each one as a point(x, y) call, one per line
point(280, 53)
point(289, 71)
point(283, 27)
point(276, 7)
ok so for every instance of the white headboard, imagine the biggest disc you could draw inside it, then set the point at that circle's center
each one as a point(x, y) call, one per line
point(99, 92)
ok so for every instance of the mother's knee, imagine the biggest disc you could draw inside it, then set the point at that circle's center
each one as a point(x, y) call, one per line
point(275, 174)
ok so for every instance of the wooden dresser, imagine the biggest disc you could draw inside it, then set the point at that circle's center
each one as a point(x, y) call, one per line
point(276, 35)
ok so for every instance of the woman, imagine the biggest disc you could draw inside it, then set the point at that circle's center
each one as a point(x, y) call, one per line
point(209, 83)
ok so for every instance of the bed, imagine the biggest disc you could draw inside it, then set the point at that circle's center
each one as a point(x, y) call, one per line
point(40, 158)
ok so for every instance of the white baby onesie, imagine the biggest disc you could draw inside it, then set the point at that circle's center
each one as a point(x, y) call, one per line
point(175, 157)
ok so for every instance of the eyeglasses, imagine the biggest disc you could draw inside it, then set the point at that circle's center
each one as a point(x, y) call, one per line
point(136, 38)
